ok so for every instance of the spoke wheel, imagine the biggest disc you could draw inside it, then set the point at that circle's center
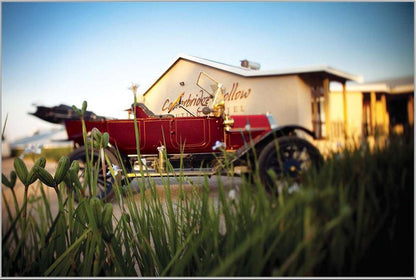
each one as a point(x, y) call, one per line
point(287, 158)
point(105, 181)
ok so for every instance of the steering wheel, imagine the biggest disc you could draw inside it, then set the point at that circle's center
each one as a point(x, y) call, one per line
point(176, 102)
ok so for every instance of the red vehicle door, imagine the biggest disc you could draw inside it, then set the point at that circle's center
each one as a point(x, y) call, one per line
point(187, 134)
point(195, 134)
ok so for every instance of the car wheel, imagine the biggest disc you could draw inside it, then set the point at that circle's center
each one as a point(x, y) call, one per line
point(105, 181)
point(287, 158)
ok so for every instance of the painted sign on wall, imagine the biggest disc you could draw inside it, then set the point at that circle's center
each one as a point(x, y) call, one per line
point(202, 99)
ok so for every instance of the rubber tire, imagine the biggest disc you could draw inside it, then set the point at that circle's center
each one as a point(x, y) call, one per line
point(287, 146)
point(79, 154)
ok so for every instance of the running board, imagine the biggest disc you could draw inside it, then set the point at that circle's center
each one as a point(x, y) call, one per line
point(185, 172)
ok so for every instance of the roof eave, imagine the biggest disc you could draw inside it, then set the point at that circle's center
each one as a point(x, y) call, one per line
point(378, 87)
point(403, 89)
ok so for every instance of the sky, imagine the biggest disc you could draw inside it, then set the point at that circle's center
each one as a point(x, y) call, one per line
point(66, 52)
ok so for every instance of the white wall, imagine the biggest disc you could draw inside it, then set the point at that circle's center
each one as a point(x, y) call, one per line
point(287, 98)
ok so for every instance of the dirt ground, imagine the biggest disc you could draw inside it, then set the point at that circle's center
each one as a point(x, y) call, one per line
point(34, 190)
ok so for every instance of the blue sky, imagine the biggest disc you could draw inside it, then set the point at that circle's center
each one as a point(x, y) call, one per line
point(55, 53)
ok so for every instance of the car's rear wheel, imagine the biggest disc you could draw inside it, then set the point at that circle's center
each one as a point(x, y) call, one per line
point(287, 158)
point(103, 189)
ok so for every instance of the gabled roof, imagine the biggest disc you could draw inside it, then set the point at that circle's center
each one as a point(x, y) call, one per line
point(245, 72)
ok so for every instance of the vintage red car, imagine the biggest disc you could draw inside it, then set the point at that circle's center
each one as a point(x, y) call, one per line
point(197, 145)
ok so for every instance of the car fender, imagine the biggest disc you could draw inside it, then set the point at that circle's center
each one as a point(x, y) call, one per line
point(251, 150)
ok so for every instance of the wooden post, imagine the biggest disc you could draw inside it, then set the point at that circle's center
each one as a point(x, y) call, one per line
point(345, 110)
point(326, 108)
point(410, 110)
point(315, 124)
point(373, 111)
point(385, 114)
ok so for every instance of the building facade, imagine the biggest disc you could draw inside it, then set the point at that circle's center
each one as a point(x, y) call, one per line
point(377, 109)
point(296, 96)
point(317, 98)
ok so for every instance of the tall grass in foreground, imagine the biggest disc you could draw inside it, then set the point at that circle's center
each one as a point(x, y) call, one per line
point(353, 217)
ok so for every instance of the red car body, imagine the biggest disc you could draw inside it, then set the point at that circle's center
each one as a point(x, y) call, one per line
point(176, 134)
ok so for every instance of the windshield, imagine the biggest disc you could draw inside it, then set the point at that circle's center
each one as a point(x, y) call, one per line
point(207, 83)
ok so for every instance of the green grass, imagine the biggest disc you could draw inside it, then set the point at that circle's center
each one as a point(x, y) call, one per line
point(352, 218)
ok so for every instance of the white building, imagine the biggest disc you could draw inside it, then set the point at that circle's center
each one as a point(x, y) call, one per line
point(294, 96)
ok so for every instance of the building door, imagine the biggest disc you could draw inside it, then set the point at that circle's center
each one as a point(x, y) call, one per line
point(397, 110)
